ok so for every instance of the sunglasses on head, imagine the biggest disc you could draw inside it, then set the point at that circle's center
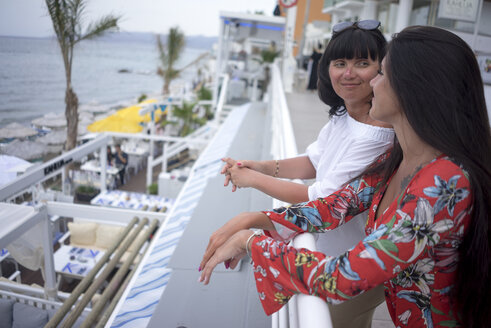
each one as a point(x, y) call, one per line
point(367, 25)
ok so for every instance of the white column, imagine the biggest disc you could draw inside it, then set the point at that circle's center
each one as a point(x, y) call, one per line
point(49, 263)
point(218, 63)
point(403, 14)
point(150, 157)
point(369, 10)
point(289, 63)
point(103, 160)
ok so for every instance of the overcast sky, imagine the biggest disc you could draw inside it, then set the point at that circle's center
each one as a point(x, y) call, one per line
point(194, 17)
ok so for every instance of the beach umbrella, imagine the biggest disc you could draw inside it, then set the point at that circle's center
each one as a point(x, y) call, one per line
point(26, 149)
point(93, 108)
point(115, 124)
point(126, 120)
point(16, 130)
point(132, 113)
point(9, 166)
point(55, 137)
point(51, 120)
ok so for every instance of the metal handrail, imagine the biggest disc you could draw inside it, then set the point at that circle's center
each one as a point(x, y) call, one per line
point(301, 309)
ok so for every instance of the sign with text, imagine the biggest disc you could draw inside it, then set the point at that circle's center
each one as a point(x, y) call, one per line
point(458, 9)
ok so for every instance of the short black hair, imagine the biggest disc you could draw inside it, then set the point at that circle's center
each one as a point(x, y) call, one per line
point(349, 43)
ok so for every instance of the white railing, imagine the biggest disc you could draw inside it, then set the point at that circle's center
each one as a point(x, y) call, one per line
point(302, 310)
point(222, 97)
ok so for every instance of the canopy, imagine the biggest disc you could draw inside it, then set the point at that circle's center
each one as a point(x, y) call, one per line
point(53, 138)
point(26, 149)
point(9, 166)
point(125, 120)
point(115, 124)
point(16, 130)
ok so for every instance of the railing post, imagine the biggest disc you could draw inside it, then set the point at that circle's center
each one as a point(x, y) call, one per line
point(49, 264)
point(164, 157)
point(103, 159)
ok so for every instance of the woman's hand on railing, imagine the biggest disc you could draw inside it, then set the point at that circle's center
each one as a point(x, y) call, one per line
point(233, 170)
point(242, 221)
point(231, 252)
point(243, 177)
point(219, 237)
point(229, 162)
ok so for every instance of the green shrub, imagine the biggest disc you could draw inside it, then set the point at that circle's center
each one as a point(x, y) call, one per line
point(87, 190)
point(204, 93)
point(153, 189)
point(142, 98)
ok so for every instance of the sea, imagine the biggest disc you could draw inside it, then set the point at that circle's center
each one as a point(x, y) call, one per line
point(107, 74)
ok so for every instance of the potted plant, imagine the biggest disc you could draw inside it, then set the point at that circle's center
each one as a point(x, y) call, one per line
point(153, 189)
point(85, 193)
point(267, 58)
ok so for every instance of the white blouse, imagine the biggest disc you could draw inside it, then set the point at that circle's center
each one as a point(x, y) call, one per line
point(343, 149)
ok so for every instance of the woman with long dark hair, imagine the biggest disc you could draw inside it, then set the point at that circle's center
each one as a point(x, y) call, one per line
point(428, 230)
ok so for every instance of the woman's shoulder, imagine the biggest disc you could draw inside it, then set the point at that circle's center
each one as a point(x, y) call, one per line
point(444, 174)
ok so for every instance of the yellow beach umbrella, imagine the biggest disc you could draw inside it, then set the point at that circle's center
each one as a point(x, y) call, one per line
point(114, 124)
point(133, 112)
point(125, 120)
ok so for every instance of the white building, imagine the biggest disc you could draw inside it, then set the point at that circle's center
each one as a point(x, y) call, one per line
point(469, 19)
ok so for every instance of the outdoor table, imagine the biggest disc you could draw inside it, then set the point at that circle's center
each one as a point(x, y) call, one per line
point(135, 149)
point(75, 262)
point(95, 166)
point(133, 200)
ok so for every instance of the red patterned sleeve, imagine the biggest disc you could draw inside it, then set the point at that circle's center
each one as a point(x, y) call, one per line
point(324, 213)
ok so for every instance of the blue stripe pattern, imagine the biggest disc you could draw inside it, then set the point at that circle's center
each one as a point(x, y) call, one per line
point(147, 287)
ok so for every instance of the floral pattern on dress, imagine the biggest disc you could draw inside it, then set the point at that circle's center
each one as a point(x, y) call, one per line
point(412, 248)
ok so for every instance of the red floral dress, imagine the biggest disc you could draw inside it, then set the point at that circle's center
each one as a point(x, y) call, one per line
point(411, 248)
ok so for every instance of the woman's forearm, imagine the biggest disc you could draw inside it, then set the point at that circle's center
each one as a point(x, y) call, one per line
point(295, 168)
point(286, 191)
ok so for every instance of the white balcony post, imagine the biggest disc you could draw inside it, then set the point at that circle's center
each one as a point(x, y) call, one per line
point(49, 264)
point(403, 14)
point(103, 159)
point(164, 157)
point(369, 10)
point(289, 63)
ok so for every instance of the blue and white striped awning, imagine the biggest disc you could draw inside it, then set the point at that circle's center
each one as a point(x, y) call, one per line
point(139, 301)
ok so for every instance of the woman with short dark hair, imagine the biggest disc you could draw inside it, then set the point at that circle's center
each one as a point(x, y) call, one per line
point(428, 230)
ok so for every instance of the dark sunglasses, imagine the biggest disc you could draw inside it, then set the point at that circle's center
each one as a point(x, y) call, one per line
point(367, 25)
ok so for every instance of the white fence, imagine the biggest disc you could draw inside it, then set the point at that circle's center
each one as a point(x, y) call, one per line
point(302, 310)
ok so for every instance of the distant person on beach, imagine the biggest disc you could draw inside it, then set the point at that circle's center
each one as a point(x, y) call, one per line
point(121, 161)
point(428, 230)
point(313, 67)
point(349, 142)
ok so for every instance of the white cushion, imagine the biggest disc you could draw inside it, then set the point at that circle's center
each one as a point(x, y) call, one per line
point(106, 235)
point(82, 233)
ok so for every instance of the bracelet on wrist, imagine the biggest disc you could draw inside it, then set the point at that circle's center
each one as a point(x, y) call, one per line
point(277, 170)
point(251, 237)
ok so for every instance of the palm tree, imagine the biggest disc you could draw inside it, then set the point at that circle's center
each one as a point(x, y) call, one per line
point(187, 118)
point(170, 54)
point(67, 16)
